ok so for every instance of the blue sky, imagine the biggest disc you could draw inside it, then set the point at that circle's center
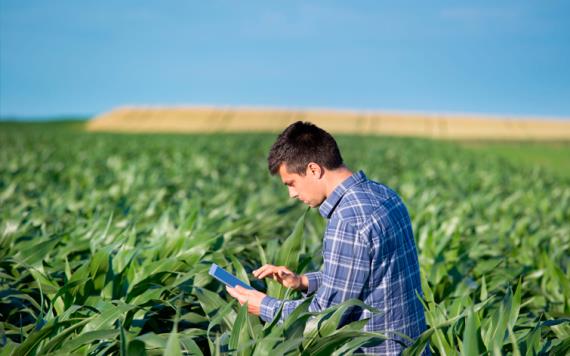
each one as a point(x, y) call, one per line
point(87, 57)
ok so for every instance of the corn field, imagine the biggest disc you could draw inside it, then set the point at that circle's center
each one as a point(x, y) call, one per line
point(106, 241)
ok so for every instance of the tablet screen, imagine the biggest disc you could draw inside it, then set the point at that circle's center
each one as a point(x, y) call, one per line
point(225, 277)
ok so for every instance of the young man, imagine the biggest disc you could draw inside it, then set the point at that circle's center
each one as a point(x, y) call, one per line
point(369, 251)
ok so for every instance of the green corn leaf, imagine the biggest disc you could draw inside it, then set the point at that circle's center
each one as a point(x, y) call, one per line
point(266, 345)
point(294, 325)
point(288, 256)
point(136, 348)
point(109, 313)
point(515, 305)
point(221, 315)
point(240, 334)
point(470, 335)
point(62, 337)
point(289, 345)
point(86, 338)
point(35, 338)
point(123, 342)
point(173, 345)
point(239, 270)
point(211, 303)
point(329, 325)
point(190, 345)
point(357, 342)
point(327, 345)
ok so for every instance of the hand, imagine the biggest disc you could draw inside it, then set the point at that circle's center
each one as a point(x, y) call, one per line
point(282, 275)
point(251, 296)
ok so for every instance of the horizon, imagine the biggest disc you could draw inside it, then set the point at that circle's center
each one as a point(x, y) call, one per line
point(403, 113)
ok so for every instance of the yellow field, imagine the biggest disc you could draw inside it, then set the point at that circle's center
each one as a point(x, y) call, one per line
point(212, 119)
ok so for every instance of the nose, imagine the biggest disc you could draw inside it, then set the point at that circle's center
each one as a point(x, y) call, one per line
point(292, 192)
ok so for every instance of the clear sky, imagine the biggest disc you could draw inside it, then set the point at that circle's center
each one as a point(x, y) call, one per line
point(69, 57)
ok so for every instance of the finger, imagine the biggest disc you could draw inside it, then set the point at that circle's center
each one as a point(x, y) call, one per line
point(240, 289)
point(234, 293)
point(259, 270)
point(285, 270)
point(263, 271)
point(265, 274)
point(268, 271)
point(267, 265)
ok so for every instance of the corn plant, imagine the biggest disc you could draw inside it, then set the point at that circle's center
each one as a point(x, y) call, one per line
point(106, 241)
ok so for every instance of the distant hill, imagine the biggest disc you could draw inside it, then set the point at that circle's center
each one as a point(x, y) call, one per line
point(216, 119)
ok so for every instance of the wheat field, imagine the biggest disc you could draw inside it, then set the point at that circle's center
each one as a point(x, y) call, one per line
point(218, 120)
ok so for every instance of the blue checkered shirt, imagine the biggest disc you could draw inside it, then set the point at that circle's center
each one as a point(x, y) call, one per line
point(369, 253)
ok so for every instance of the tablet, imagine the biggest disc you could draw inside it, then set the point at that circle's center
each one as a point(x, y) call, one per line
point(226, 278)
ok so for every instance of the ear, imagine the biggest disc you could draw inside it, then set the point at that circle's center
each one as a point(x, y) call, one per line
point(315, 170)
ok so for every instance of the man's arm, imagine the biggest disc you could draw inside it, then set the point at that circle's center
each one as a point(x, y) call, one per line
point(306, 283)
point(345, 272)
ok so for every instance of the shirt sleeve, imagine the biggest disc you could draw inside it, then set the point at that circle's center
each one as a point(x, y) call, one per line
point(346, 269)
point(315, 279)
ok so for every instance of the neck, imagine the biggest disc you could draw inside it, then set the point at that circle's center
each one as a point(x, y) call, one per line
point(335, 177)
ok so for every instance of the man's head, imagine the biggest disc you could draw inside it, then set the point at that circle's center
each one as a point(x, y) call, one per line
point(301, 155)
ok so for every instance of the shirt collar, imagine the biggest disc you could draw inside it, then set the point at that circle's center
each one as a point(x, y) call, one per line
point(327, 207)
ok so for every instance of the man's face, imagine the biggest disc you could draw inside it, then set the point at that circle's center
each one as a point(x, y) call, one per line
point(308, 188)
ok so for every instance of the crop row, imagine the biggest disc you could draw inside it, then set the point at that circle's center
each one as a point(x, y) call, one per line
point(106, 241)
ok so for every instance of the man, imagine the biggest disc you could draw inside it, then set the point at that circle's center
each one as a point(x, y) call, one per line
point(369, 251)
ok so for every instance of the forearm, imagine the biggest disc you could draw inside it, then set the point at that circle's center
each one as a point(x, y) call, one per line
point(270, 306)
point(310, 282)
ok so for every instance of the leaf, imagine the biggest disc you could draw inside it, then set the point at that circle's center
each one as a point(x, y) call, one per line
point(220, 315)
point(136, 348)
point(351, 346)
point(61, 338)
point(261, 252)
point(294, 324)
point(470, 337)
point(173, 345)
point(211, 303)
point(109, 313)
point(240, 271)
point(329, 325)
point(515, 305)
point(240, 333)
point(86, 338)
point(34, 252)
point(288, 345)
point(123, 342)
point(190, 345)
point(329, 320)
point(288, 255)
point(484, 292)
point(34, 339)
point(326, 345)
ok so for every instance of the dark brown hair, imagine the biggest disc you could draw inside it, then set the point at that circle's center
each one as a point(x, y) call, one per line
point(300, 144)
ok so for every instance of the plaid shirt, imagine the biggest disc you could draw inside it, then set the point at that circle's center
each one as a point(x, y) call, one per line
point(369, 253)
